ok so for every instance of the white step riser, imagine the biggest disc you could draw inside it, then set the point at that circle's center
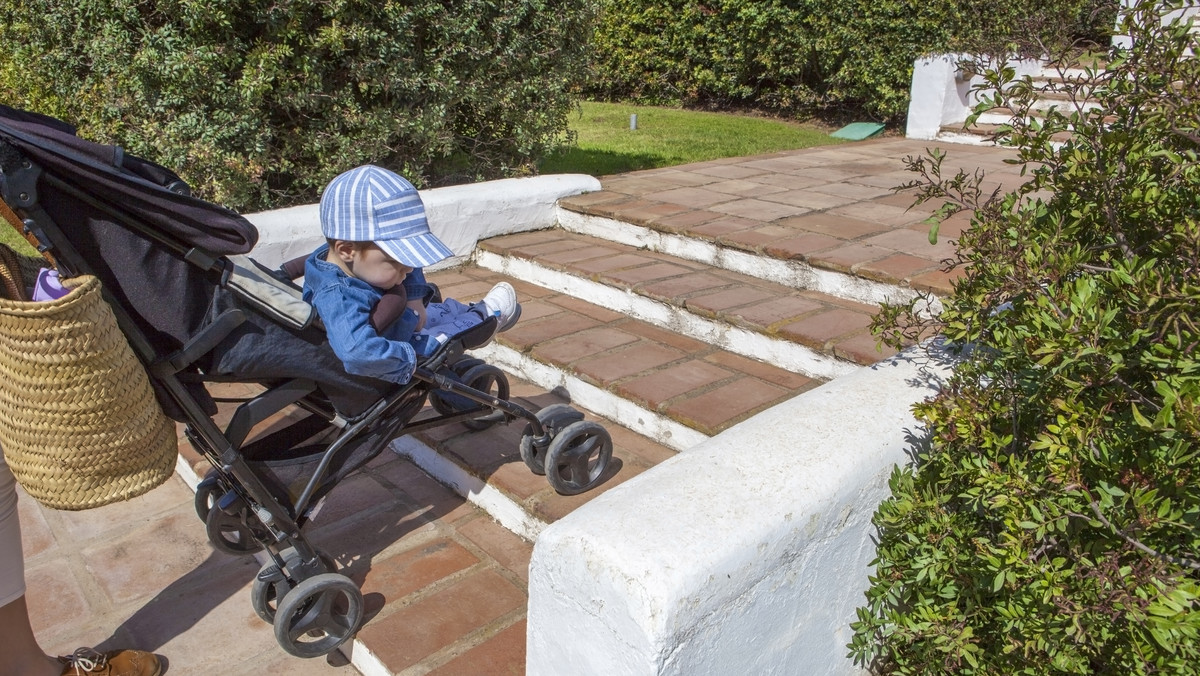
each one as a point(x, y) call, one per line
point(793, 274)
point(784, 354)
point(499, 506)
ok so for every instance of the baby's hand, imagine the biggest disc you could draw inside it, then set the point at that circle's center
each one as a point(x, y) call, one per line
point(418, 307)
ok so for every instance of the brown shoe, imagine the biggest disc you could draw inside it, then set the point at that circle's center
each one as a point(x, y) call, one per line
point(88, 662)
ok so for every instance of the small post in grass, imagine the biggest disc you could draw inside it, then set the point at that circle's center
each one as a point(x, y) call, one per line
point(633, 122)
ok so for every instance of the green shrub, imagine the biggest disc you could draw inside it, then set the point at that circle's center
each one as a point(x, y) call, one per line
point(799, 56)
point(259, 103)
point(1052, 524)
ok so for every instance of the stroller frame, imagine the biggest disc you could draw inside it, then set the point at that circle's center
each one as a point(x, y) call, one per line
point(313, 608)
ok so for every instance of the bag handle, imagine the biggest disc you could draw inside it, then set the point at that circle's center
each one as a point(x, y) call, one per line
point(15, 221)
point(10, 275)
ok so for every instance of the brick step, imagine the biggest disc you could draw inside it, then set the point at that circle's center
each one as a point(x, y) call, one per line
point(670, 387)
point(829, 219)
point(803, 331)
point(486, 464)
point(1003, 115)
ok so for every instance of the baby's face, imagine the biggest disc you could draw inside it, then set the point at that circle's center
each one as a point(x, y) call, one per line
point(373, 266)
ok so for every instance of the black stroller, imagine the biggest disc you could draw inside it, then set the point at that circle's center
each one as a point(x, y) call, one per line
point(197, 311)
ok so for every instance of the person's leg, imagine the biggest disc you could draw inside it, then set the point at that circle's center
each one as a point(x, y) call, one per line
point(22, 655)
point(450, 317)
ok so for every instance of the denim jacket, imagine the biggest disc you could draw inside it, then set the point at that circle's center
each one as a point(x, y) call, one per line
point(344, 304)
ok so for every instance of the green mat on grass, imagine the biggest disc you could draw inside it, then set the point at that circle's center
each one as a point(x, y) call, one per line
point(858, 131)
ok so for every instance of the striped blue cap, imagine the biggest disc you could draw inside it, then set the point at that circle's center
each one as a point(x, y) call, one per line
point(371, 204)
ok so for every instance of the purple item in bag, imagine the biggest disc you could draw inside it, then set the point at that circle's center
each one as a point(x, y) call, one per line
point(47, 286)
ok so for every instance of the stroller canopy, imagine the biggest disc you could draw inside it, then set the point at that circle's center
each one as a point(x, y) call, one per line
point(130, 222)
point(141, 189)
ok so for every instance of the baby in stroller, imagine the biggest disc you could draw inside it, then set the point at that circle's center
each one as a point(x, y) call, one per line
point(378, 241)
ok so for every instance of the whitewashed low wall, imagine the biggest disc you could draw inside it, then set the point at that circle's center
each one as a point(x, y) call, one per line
point(745, 555)
point(942, 94)
point(459, 215)
point(1188, 9)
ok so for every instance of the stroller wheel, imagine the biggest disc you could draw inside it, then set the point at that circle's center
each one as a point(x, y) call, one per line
point(465, 364)
point(440, 402)
point(268, 587)
point(491, 381)
point(318, 615)
point(207, 492)
point(553, 418)
point(578, 456)
point(229, 533)
point(272, 584)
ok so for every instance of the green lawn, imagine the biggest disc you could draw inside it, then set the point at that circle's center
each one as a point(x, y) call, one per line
point(9, 236)
point(666, 137)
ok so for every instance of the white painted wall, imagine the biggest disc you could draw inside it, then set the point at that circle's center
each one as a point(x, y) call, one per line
point(942, 94)
point(459, 215)
point(1189, 9)
point(745, 555)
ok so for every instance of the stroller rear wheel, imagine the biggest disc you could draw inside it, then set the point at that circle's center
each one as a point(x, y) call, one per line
point(491, 381)
point(232, 528)
point(318, 615)
point(230, 534)
point(478, 375)
point(578, 457)
point(207, 492)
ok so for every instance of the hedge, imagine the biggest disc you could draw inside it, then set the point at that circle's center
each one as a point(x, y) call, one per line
point(807, 56)
point(1051, 521)
point(258, 103)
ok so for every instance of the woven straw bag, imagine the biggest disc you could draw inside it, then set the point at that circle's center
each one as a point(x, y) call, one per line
point(79, 423)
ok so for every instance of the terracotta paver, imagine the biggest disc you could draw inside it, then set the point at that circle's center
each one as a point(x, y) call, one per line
point(824, 326)
point(607, 368)
point(691, 197)
point(500, 655)
point(718, 408)
point(895, 267)
point(530, 333)
point(656, 388)
point(775, 310)
point(843, 192)
point(684, 285)
point(417, 631)
point(801, 247)
point(576, 346)
point(760, 209)
point(713, 303)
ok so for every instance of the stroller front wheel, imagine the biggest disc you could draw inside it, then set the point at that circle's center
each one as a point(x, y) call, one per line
point(272, 583)
point(552, 419)
point(318, 615)
point(578, 456)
